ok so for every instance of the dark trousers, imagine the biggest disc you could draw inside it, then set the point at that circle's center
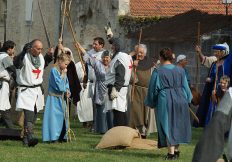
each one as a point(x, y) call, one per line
point(103, 121)
point(120, 118)
point(30, 116)
point(7, 119)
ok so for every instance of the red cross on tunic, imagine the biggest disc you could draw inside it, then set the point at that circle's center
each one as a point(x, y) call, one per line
point(131, 65)
point(37, 72)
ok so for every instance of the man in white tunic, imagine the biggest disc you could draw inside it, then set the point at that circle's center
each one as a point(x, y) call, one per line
point(30, 67)
point(117, 81)
point(7, 72)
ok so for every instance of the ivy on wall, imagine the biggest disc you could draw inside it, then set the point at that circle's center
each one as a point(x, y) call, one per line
point(132, 24)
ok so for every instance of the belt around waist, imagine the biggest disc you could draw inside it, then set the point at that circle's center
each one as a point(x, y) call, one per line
point(33, 86)
point(55, 94)
point(110, 85)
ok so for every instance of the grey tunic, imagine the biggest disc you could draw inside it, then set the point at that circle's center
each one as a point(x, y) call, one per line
point(100, 72)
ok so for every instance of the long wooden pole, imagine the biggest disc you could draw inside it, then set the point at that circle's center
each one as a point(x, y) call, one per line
point(45, 29)
point(134, 79)
point(75, 40)
point(30, 25)
point(197, 59)
point(194, 115)
point(5, 16)
point(64, 6)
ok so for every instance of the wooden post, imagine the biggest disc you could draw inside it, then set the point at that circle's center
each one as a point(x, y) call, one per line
point(134, 79)
point(197, 59)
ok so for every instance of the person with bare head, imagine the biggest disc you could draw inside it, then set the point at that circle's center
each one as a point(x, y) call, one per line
point(55, 120)
point(74, 83)
point(30, 64)
point(95, 52)
point(141, 116)
point(7, 73)
point(170, 95)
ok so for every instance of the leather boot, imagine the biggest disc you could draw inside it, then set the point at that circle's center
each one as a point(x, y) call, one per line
point(25, 141)
point(29, 134)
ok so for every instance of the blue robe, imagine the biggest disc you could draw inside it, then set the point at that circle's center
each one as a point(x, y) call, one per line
point(207, 108)
point(55, 108)
point(170, 94)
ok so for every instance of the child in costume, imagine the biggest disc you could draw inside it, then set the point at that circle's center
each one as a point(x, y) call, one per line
point(55, 115)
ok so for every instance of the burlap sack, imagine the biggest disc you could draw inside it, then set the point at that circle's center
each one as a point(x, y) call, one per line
point(146, 144)
point(118, 136)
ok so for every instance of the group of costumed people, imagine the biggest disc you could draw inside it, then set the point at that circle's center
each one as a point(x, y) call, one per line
point(120, 90)
point(30, 65)
point(112, 79)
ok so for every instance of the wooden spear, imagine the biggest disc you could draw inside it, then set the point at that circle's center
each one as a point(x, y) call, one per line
point(64, 4)
point(45, 29)
point(197, 59)
point(134, 79)
point(75, 40)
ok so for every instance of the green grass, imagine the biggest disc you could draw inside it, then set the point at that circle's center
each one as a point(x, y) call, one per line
point(83, 149)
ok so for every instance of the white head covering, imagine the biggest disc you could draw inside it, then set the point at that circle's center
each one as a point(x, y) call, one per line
point(180, 57)
point(223, 46)
point(71, 54)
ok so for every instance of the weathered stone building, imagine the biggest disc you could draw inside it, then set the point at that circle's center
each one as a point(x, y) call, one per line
point(24, 23)
point(89, 17)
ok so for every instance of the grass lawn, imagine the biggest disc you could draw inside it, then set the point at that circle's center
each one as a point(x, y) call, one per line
point(83, 149)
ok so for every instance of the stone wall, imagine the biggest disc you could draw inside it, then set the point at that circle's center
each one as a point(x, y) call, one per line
point(22, 31)
point(89, 18)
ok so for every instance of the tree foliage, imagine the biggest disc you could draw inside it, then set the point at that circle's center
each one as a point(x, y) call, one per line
point(131, 24)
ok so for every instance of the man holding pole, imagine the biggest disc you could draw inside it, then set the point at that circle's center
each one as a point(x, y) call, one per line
point(141, 116)
point(219, 68)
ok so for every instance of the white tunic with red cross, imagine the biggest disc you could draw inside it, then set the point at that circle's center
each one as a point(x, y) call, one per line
point(30, 76)
point(119, 103)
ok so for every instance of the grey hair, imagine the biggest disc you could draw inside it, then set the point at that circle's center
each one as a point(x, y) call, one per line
point(143, 46)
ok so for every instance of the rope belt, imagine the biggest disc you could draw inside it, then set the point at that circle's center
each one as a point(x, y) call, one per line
point(141, 86)
point(55, 94)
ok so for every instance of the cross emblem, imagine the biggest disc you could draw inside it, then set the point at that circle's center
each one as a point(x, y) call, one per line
point(37, 72)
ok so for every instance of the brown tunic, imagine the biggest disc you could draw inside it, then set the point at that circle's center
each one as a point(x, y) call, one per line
point(142, 117)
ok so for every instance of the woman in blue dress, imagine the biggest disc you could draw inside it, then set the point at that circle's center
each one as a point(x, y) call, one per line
point(55, 116)
point(170, 95)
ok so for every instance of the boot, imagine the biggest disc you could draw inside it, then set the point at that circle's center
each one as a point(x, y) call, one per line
point(25, 141)
point(30, 140)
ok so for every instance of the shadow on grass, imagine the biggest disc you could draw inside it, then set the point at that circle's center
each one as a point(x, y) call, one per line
point(116, 152)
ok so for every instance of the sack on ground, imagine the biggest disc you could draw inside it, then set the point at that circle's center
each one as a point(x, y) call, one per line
point(118, 136)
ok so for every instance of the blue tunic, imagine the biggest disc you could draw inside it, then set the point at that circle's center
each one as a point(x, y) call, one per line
point(169, 93)
point(55, 108)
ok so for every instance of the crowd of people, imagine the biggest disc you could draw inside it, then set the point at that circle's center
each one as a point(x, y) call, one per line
point(112, 88)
